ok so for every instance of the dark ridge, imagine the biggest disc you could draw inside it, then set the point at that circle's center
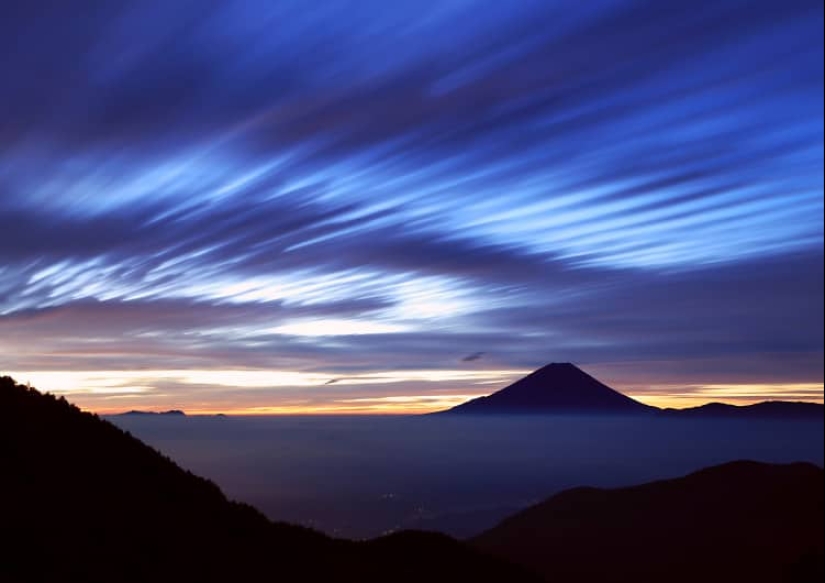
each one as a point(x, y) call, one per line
point(555, 388)
point(764, 410)
point(741, 521)
point(84, 501)
point(172, 413)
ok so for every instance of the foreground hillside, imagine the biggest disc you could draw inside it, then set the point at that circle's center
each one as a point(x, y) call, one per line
point(85, 501)
point(742, 521)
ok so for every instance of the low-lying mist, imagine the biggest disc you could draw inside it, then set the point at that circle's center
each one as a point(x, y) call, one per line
point(363, 476)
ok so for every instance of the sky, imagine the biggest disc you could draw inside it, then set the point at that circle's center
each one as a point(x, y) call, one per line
point(389, 207)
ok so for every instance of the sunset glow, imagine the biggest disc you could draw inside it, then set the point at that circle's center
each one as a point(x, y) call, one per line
point(208, 209)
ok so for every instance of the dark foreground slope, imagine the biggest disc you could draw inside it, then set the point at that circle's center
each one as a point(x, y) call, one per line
point(742, 521)
point(84, 501)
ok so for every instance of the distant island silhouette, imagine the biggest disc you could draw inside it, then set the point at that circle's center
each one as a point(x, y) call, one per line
point(563, 388)
point(171, 413)
point(740, 521)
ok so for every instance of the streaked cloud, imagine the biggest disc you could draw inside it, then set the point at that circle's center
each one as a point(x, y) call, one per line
point(347, 191)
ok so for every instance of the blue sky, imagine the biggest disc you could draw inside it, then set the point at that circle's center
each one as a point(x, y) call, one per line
point(293, 206)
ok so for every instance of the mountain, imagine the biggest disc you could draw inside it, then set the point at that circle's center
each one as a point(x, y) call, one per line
point(555, 388)
point(170, 413)
point(85, 501)
point(764, 410)
point(741, 521)
point(564, 388)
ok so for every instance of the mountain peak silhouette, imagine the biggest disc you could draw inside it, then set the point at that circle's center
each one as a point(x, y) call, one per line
point(560, 387)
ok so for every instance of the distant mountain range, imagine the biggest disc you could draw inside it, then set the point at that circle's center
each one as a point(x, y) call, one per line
point(171, 413)
point(563, 388)
point(763, 410)
point(742, 521)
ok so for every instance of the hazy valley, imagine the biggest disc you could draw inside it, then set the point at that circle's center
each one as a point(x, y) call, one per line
point(360, 476)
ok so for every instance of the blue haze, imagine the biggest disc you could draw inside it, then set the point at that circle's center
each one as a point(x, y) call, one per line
point(360, 476)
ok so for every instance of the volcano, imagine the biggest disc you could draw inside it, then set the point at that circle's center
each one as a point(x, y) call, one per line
point(555, 388)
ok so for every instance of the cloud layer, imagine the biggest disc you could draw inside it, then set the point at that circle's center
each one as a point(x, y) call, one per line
point(369, 188)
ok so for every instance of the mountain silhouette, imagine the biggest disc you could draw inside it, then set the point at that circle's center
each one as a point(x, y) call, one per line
point(83, 500)
point(563, 388)
point(555, 388)
point(741, 521)
point(763, 410)
point(170, 413)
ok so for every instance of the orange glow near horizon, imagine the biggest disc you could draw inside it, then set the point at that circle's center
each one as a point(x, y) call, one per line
point(732, 394)
point(291, 393)
point(257, 392)
point(411, 405)
point(417, 405)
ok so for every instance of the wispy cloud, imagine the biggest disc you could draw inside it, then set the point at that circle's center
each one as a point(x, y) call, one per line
point(380, 187)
